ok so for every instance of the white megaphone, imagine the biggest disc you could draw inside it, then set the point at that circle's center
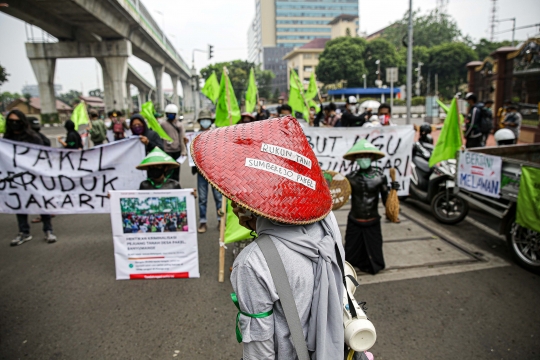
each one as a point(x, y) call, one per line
point(360, 334)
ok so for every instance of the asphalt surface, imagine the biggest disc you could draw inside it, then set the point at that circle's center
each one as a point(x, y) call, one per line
point(61, 301)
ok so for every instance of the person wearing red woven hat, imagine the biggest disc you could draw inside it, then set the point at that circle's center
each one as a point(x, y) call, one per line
point(269, 171)
point(363, 237)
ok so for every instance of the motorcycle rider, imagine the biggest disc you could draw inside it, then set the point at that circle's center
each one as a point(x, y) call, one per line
point(425, 131)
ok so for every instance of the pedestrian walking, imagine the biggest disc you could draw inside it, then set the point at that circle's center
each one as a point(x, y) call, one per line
point(148, 137)
point(296, 218)
point(205, 120)
point(97, 129)
point(73, 138)
point(473, 133)
point(174, 128)
point(363, 236)
point(18, 129)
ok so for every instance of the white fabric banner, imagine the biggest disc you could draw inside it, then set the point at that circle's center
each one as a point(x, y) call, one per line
point(60, 181)
point(330, 144)
point(480, 173)
point(154, 234)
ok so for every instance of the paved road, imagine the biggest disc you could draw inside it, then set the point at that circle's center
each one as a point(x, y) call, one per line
point(62, 301)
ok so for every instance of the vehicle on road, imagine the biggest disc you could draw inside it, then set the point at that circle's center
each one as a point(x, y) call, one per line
point(523, 243)
point(434, 185)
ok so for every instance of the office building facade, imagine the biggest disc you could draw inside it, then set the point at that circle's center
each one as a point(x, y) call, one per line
point(281, 25)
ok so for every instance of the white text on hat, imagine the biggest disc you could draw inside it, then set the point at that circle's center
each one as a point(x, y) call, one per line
point(281, 171)
point(286, 153)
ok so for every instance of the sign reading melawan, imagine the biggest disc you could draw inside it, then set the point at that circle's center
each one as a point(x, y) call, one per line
point(60, 181)
point(330, 144)
point(480, 173)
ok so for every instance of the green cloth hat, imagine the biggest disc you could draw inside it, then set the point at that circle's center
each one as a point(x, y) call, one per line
point(205, 114)
point(157, 157)
point(363, 147)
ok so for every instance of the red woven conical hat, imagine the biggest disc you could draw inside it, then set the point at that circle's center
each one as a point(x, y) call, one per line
point(267, 167)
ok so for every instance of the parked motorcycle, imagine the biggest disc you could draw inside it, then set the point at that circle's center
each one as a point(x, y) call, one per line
point(435, 185)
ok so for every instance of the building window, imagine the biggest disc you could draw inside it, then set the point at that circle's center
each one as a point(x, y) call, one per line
point(308, 56)
point(308, 68)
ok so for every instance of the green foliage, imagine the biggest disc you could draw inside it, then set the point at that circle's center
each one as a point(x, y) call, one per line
point(239, 75)
point(400, 102)
point(71, 97)
point(485, 47)
point(3, 75)
point(342, 60)
point(7, 98)
point(383, 50)
point(432, 29)
point(275, 96)
point(418, 100)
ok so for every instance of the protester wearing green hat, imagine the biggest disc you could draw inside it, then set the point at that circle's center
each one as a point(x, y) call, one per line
point(158, 165)
point(363, 237)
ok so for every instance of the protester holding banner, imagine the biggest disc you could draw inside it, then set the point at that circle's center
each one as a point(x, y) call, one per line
point(278, 190)
point(35, 125)
point(18, 129)
point(363, 237)
point(384, 113)
point(73, 138)
point(159, 167)
point(205, 120)
point(349, 118)
point(148, 137)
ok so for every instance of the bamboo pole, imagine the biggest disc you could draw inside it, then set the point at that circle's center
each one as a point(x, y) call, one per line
point(221, 273)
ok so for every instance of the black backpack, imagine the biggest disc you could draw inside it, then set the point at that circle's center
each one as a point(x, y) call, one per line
point(486, 121)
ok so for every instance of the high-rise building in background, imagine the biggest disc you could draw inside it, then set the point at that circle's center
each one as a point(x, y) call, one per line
point(280, 26)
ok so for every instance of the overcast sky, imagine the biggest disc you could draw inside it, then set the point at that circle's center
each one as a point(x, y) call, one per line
point(195, 24)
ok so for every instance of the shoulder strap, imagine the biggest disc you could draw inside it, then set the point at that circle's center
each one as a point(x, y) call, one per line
point(277, 270)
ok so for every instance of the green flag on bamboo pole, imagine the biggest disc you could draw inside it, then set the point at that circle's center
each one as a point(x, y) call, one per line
point(251, 93)
point(2, 124)
point(312, 89)
point(211, 88)
point(227, 110)
point(148, 111)
point(79, 115)
point(449, 141)
point(296, 96)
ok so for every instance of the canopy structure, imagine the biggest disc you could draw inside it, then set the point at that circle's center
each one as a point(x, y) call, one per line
point(362, 91)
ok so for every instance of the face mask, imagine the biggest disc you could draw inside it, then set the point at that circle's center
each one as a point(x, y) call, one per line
point(137, 130)
point(364, 163)
point(108, 123)
point(171, 117)
point(15, 125)
point(155, 172)
point(385, 119)
point(205, 123)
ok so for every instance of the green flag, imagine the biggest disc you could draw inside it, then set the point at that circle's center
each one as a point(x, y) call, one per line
point(251, 93)
point(445, 108)
point(227, 109)
point(79, 115)
point(147, 110)
point(234, 231)
point(449, 141)
point(2, 124)
point(211, 88)
point(312, 90)
point(528, 202)
point(296, 98)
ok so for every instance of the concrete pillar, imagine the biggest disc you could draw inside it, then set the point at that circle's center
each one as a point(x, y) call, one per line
point(174, 79)
point(44, 71)
point(140, 100)
point(158, 74)
point(115, 70)
point(130, 100)
point(107, 86)
point(188, 96)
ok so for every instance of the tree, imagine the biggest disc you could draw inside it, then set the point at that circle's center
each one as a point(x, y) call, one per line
point(7, 98)
point(276, 95)
point(448, 61)
point(383, 50)
point(342, 59)
point(28, 97)
point(3, 75)
point(485, 47)
point(239, 74)
point(432, 29)
point(70, 98)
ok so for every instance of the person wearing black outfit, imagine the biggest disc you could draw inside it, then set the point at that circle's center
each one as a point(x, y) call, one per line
point(348, 119)
point(262, 113)
point(34, 125)
point(473, 135)
point(73, 139)
point(148, 137)
point(18, 129)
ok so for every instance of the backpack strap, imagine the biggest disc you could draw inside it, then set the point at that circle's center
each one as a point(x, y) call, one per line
point(279, 276)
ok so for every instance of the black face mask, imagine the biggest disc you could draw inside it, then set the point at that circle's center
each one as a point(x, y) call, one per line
point(155, 172)
point(15, 125)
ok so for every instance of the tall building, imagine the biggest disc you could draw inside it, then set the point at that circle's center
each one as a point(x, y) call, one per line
point(281, 25)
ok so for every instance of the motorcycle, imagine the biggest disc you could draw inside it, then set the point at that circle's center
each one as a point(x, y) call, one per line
point(435, 185)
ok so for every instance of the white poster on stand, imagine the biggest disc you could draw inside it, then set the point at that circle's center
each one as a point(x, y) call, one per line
point(154, 234)
point(480, 173)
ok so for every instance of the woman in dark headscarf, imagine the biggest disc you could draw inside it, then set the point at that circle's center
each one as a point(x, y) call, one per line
point(73, 139)
point(148, 137)
point(18, 129)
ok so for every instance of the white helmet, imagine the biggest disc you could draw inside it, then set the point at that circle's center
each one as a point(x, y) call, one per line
point(352, 100)
point(171, 109)
point(505, 137)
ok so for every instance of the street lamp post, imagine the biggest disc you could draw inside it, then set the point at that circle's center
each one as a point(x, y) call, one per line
point(409, 64)
point(364, 77)
point(513, 27)
point(419, 77)
point(378, 62)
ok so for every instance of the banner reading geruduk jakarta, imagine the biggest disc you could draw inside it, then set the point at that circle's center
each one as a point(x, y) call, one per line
point(60, 181)
point(330, 144)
